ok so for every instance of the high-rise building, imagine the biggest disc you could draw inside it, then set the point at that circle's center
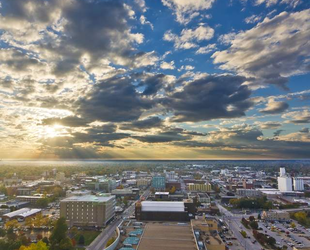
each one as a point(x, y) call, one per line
point(88, 210)
point(298, 184)
point(159, 182)
point(284, 181)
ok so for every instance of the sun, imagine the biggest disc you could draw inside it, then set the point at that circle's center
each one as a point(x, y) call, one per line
point(54, 131)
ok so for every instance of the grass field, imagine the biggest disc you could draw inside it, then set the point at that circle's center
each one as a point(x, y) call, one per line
point(88, 235)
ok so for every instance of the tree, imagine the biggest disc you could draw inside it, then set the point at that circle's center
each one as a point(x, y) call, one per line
point(38, 246)
point(251, 218)
point(81, 240)
point(254, 225)
point(293, 225)
point(110, 241)
point(58, 238)
point(43, 202)
point(172, 190)
point(45, 240)
point(271, 241)
point(259, 216)
point(243, 233)
point(12, 224)
point(2, 232)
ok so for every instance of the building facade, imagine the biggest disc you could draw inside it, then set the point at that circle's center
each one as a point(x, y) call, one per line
point(206, 187)
point(159, 183)
point(298, 184)
point(88, 210)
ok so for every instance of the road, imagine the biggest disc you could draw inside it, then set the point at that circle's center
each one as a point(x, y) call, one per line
point(234, 224)
point(100, 242)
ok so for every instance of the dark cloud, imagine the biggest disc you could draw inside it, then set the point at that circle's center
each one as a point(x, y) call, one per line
point(69, 121)
point(98, 27)
point(153, 122)
point(304, 130)
point(278, 132)
point(213, 97)
point(152, 84)
point(113, 100)
point(171, 135)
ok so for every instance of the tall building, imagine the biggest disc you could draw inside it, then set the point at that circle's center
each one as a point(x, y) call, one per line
point(282, 172)
point(298, 184)
point(88, 210)
point(159, 183)
point(284, 181)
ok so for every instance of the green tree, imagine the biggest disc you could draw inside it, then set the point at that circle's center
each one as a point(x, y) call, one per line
point(81, 240)
point(58, 238)
point(43, 202)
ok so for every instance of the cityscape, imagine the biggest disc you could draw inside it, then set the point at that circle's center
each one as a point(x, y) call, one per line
point(155, 124)
point(142, 205)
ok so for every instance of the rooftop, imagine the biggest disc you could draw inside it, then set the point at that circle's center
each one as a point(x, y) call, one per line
point(166, 236)
point(163, 206)
point(89, 198)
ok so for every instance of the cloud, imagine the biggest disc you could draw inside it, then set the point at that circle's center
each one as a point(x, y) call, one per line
point(207, 49)
point(166, 65)
point(211, 97)
point(274, 107)
point(143, 21)
point(69, 121)
point(297, 117)
point(189, 37)
point(269, 3)
point(304, 130)
point(140, 125)
point(113, 100)
point(171, 135)
point(186, 10)
point(268, 125)
point(253, 19)
point(272, 51)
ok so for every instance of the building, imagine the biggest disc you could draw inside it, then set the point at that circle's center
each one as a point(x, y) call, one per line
point(60, 176)
point(275, 216)
point(206, 187)
point(285, 183)
point(248, 184)
point(131, 194)
point(161, 211)
point(88, 210)
point(248, 192)
point(32, 199)
point(171, 184)
point(206, 234)
point(21, 214)
point(70, 193)
point(298, 184)
point(166, 236)
point(159, 183)
point(163, 196)
point(143, 182)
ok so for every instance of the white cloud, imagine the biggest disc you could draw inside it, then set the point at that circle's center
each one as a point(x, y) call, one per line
point(186, 10)
point(269, 3)
point(271, 51)
point(143, 21)
point(189, 37)
point(207, 49)
point(253, 19)
point(186, 67)
point(226, 39)
point(167, 65)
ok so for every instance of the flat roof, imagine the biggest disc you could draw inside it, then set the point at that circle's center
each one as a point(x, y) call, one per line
point(163, 206)
point(162, 193)
point(24, 212)
point(90, 198)
point(167, 236)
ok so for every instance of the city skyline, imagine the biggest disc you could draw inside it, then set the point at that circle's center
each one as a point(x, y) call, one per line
point(165, 79)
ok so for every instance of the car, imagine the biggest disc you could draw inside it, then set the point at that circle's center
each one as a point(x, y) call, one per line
point(254, 241)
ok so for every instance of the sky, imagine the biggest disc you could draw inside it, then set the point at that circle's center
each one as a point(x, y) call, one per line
point(154, 79)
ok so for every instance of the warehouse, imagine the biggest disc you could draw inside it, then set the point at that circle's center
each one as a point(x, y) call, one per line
point(21, 214)
point(161, 211)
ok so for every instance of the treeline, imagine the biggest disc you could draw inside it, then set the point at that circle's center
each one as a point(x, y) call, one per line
point(251, 203)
